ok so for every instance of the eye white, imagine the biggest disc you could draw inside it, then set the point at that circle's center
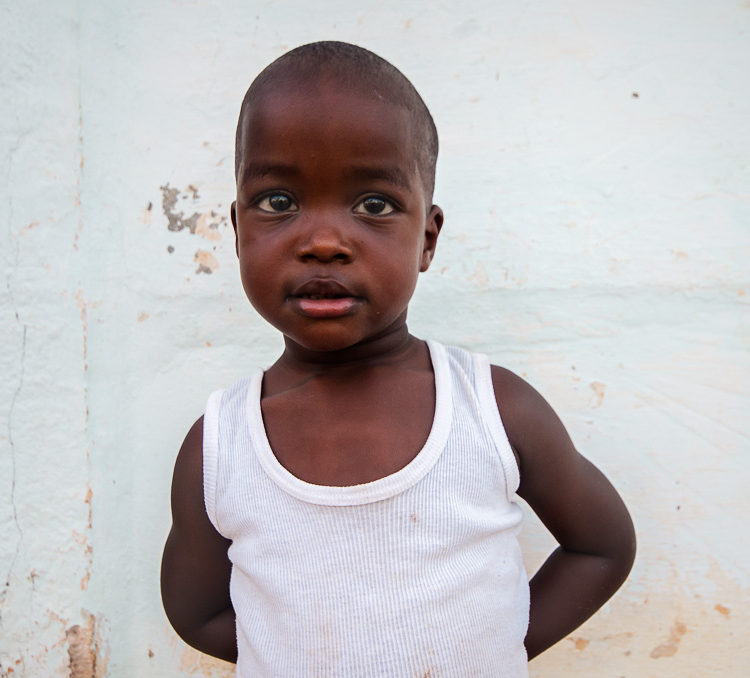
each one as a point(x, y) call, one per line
point(277, 202)
point(373, 206)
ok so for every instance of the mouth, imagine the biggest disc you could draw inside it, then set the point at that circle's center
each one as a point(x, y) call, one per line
point(322, 288)
point(324, 298)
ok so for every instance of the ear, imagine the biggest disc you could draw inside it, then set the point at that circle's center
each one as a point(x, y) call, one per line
point(433, 224)
point(233, 213)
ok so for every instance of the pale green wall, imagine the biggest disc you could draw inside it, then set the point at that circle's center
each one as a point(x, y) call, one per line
point(596, 241)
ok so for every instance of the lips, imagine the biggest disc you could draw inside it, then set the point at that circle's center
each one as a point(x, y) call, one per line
point(324, 298)
point(323, 287)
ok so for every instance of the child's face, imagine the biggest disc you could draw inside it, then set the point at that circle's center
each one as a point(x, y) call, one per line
point(331, 218)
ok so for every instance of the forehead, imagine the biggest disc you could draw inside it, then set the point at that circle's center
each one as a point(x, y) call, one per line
point(300, 122)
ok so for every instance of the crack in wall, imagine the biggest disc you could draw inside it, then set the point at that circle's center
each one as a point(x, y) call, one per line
point(12, 445)
point(12, 267)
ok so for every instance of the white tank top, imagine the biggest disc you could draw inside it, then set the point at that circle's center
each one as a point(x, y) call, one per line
point(415, 574)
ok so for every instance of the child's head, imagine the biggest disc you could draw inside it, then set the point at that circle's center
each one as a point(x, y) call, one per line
point(359, 70)
point(335, 170)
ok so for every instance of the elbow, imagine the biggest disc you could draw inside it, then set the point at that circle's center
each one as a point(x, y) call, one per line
point(628, 557)
point(622, 557)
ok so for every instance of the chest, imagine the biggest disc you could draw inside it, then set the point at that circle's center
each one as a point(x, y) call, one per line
point(353, 433)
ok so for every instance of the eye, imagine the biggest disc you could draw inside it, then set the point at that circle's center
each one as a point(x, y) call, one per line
point(374, 206)
point(277, 202)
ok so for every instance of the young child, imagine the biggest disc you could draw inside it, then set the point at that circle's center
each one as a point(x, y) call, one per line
point(349, 511)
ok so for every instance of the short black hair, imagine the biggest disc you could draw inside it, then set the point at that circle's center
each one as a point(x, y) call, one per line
point(357, 67)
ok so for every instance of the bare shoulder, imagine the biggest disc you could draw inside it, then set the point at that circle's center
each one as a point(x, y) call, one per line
point(187, 480)
point(189, 518)
point(534, 429)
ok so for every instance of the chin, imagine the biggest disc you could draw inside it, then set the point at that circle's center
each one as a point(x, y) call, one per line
point(325, 346)
point(324, 340)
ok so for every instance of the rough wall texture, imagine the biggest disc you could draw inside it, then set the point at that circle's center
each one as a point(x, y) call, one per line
point(594, 174)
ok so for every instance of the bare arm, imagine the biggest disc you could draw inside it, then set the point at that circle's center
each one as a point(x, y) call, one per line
point(579, 507)
point(195, 568)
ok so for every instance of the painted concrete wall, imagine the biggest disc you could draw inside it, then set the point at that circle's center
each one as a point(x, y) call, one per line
point(594, 174)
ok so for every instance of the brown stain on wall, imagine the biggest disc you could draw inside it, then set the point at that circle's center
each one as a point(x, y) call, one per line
point(580, 643)
point(197, 663)
point(85, 660)
point(670, 647)
point(598, 388)
point(88, 549)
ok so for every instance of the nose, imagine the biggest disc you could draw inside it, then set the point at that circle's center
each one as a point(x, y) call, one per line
point(325, 238)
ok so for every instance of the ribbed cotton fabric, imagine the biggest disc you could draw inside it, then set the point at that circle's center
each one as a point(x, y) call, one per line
point(415, 574)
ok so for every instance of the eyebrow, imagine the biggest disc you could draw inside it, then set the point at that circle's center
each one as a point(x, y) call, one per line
point(392, 175)
point(256, 170)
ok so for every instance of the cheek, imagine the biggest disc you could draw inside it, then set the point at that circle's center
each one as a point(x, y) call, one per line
point(400, 279)
point(256, 275)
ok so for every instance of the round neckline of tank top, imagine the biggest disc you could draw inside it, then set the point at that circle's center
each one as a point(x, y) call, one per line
point(375, 490)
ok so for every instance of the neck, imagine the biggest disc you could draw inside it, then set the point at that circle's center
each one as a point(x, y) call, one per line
point(390, 344)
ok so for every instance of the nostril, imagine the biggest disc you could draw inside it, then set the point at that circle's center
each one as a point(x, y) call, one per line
point(324, 252)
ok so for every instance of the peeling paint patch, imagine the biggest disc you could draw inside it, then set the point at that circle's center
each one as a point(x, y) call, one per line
point(205, 224)
point(86, 658)
point(670, 647)
point(207, 262)
point(81, 649)
point(176, 221)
